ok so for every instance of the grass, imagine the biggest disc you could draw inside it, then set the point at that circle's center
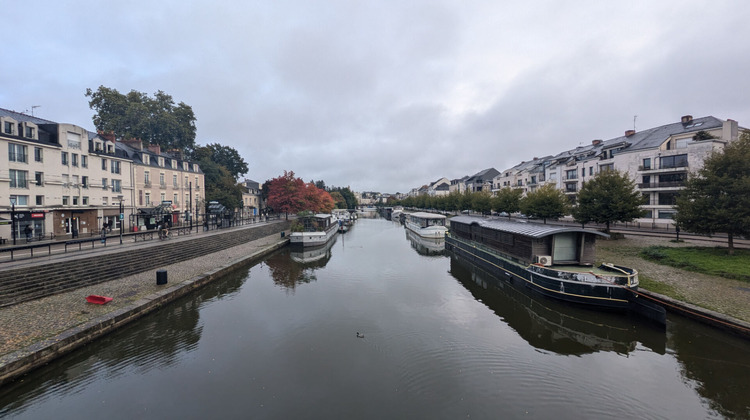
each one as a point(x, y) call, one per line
point(711, 261)
point(658, 287)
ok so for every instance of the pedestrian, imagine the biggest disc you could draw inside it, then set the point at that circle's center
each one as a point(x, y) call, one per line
point(205, 225)
point(27, 230)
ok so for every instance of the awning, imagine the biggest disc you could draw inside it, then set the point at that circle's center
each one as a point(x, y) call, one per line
point(158, 210)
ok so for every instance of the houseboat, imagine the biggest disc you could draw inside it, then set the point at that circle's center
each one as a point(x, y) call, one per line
point(426, 246)
point(313, 230)
point(426, 225)
point(555, 261)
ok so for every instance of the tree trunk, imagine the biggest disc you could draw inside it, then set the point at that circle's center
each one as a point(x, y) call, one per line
point(607, 229)
point(730, 237)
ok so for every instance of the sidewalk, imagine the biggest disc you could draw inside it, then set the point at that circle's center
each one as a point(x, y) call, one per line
point(35, 332)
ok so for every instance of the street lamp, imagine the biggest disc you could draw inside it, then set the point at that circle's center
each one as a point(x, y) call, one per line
point(13, 218)
point(122, 217)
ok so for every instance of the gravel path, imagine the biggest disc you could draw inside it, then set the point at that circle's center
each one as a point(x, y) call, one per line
point(726, 296)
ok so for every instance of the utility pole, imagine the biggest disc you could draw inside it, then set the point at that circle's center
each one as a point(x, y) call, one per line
point(190, 207)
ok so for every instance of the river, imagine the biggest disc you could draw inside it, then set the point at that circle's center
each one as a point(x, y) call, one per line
point(441, 339)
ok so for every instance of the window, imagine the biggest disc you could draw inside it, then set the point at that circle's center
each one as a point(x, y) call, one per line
point(571, 187)
point(146, 159)
point(186, 181)
point(647, 163)
point(85, 181)
point(667, 198)
point(174, 181)
point(583, 172)
point(16, 152)
point(110, 148)
point(571, 174)
point(75, 200)
point(196, 182)
point(646, 198)
point(85, 201)
point(648, 214)
point(666, 214)
point(115, 166)
point(8, 127)
point(681, 143)
point(74, 159)
point(520, 183)
point(553, 176)
point(39, 178)
point(140, 197)
point(97, 147)
point(104, 184)
point(148, 199)
point(66, 200)
point(30, 132)
point(38, 154)
point(163, 197)
point(646, 179)
point(64, 158)
point(39, 200)
point(162, 182)
point(84, 161)
point(677, 161)
point(175, 199)
point(74, 141)
point(66, 180)
point(591, 170)
point(21, 200)
point(104, 164)
point(607, 167)
point(674, 179)
point(116, 185)
point(18, 178)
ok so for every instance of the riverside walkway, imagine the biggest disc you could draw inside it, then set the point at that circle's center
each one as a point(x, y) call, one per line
point(37, 331)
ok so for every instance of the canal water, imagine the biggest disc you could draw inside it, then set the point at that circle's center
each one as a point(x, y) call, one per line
point(440, 340)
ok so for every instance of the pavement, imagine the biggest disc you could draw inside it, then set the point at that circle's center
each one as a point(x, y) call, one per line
point(35, 332)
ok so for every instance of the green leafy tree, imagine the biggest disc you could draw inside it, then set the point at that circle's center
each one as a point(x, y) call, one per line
point(338, 199)
point(481, 202)
point(507, 200)
point(220, 186)
point(155, 120)
point(717, 198)
point(545, 203)
point(225, 156)
point(611, 196)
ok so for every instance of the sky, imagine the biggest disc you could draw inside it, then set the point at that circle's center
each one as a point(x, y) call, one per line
point(386, 95)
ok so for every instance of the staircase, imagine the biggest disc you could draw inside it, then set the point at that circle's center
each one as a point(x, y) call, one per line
point(45, 279)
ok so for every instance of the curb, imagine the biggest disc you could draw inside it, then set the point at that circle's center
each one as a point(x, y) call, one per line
point(42, 352)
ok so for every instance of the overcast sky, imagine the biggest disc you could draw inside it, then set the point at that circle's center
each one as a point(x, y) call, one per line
point(386, 95)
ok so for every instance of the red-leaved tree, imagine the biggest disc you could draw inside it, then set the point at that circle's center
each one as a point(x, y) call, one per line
point(287, 194)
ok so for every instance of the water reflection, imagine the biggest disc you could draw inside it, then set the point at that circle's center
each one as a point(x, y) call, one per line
point(551, 325)
point(426, 246)
point(138, 348)
point(717, 364)
point(292, 267)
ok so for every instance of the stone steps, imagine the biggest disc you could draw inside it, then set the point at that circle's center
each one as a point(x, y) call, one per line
point(36, 281)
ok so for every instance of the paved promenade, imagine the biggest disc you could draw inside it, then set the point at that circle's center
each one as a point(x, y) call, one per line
point(32, 333)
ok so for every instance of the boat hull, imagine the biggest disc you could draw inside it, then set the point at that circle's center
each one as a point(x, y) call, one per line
point(311, 239)
point(600, 295)
point(431, 232)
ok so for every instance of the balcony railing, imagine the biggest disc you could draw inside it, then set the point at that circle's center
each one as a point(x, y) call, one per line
point(670, 184)
point(147, 184)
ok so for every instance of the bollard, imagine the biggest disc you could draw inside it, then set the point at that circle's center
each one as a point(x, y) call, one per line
point(161, 277)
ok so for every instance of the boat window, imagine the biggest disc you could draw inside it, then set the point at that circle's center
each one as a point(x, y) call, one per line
point(565, 247)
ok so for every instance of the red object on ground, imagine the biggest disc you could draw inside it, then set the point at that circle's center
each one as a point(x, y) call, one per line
point(99, 300)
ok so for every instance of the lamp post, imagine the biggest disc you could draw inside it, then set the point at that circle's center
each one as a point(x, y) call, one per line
point(122, 217)
point(13, 218)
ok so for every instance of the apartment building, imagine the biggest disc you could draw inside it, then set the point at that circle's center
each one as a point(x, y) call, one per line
point(63, 180)
point(251, 199)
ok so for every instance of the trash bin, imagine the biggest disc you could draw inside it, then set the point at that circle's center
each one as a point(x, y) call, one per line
point(161, 277)
point(282, 234)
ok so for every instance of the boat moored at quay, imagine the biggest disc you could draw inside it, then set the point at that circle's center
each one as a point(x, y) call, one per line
point(553, 260)
point(314, 230)
point(426, 225)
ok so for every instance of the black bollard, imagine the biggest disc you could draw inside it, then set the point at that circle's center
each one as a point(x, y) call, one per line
point(161, 277)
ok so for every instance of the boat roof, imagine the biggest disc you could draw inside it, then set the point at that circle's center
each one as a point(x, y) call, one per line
point(533, 230)
point(425, 215)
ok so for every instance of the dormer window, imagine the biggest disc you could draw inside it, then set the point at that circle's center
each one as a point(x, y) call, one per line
point(8, 127)
point(98, 147)
point(30, 132)
point(110, 148)
point(161, 161)
point(146, 159)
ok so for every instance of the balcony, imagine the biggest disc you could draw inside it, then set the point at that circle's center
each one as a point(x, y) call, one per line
point(163, 185)
point(147, 184)
point(656, 185)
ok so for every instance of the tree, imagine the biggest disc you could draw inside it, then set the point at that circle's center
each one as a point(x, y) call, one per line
point(507, 200)
point(338, 199)
point(545, 203)
point(717, 198)
point(481, 202)
point(287, 194)
point(225, 156)
point(220, 186)
point(137, 116)
point(611, 196)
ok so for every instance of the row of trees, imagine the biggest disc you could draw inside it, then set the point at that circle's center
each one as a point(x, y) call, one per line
point(715, 200)
point(157, 120)
point(609, 197)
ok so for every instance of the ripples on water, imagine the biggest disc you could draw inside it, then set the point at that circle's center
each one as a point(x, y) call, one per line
point(442, 339)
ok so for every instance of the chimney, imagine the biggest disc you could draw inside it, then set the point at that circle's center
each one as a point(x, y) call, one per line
point(596, 142)
point(686, 119)
point(134, 143)
point(154, 148)
point(106, 136)
point(629, 133)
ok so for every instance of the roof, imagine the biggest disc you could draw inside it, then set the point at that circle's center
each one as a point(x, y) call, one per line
point(425, 215)
point(533, 230)
point(482, 176)
point(19, 116)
